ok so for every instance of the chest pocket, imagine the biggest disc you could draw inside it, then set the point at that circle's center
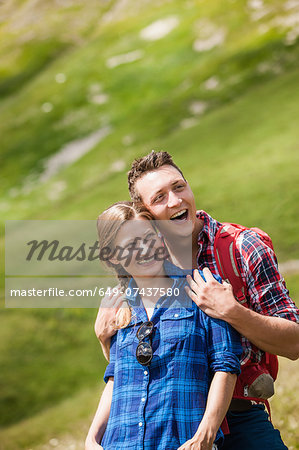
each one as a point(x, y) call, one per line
point(126, 336)
point(177, 324)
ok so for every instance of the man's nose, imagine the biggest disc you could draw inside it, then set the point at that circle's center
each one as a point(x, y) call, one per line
point(173, 200)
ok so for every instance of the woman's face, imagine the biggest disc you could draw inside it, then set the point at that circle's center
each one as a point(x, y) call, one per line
point(139, 249)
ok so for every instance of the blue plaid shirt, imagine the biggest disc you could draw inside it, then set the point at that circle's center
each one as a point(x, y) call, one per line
point(160, 407)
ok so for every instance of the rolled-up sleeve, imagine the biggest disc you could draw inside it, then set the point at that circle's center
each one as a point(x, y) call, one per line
point(224, 346)
point(267, 292)
point(109, 372)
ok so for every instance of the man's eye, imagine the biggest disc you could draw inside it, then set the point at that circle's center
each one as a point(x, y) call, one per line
point(179, 187)
point(158, 198)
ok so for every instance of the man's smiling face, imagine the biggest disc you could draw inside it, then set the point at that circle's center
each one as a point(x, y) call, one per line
point(168, 196)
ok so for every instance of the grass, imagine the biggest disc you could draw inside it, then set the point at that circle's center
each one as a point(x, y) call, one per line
point(284, 405)
point(156, 79)
point(243, 172)
point(69, 421)
point(46, 356)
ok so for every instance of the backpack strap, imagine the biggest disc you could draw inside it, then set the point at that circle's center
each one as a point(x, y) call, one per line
point(225, 255)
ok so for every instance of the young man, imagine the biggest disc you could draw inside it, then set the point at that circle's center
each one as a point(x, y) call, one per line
point(270, 324)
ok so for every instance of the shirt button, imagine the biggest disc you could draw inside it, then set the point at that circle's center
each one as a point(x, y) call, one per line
point(143, 399)
point(176, 315)
point(158, 305)
point(140, 424)
point(145, 372)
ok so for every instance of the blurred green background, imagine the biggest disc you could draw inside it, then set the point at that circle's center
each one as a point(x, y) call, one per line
point(86, 87)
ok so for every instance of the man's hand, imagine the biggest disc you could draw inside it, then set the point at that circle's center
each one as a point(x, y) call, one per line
point(105, 320)
point(271, 334)
point(215, 299)
point(104, 324)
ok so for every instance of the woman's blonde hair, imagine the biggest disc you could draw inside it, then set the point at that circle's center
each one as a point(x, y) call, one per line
point(108, 225)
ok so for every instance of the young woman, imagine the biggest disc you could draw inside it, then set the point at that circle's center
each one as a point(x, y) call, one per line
point(172, 368)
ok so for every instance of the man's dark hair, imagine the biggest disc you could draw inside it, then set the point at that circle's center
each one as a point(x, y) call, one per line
point(147, 163)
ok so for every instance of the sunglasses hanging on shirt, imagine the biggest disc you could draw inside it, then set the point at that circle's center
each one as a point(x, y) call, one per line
point(144, 351)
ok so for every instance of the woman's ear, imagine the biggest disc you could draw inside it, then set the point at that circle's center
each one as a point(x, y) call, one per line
point(114, 261)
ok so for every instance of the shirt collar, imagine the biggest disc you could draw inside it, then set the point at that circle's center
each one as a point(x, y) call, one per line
point(176, 274)
point(209, 228)
point(172, 271)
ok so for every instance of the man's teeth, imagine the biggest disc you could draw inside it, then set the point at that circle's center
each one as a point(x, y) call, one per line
point(178, 214)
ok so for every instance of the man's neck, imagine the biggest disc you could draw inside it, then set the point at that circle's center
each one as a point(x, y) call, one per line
point(179, 249)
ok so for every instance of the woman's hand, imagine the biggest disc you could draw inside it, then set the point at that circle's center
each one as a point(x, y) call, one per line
point(98, 426)
point(104, 324)
point(200, 441)
point(219, 398)
point(92, 445)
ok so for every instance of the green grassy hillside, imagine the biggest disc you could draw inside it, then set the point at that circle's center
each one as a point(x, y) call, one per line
point(231, 109)
point(219, 91)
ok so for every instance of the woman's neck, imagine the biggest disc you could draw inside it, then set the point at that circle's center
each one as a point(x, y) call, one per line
point(151, 289)
point(161, 281)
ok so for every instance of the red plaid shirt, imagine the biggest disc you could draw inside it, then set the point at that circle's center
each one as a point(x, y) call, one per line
point(257, 264)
